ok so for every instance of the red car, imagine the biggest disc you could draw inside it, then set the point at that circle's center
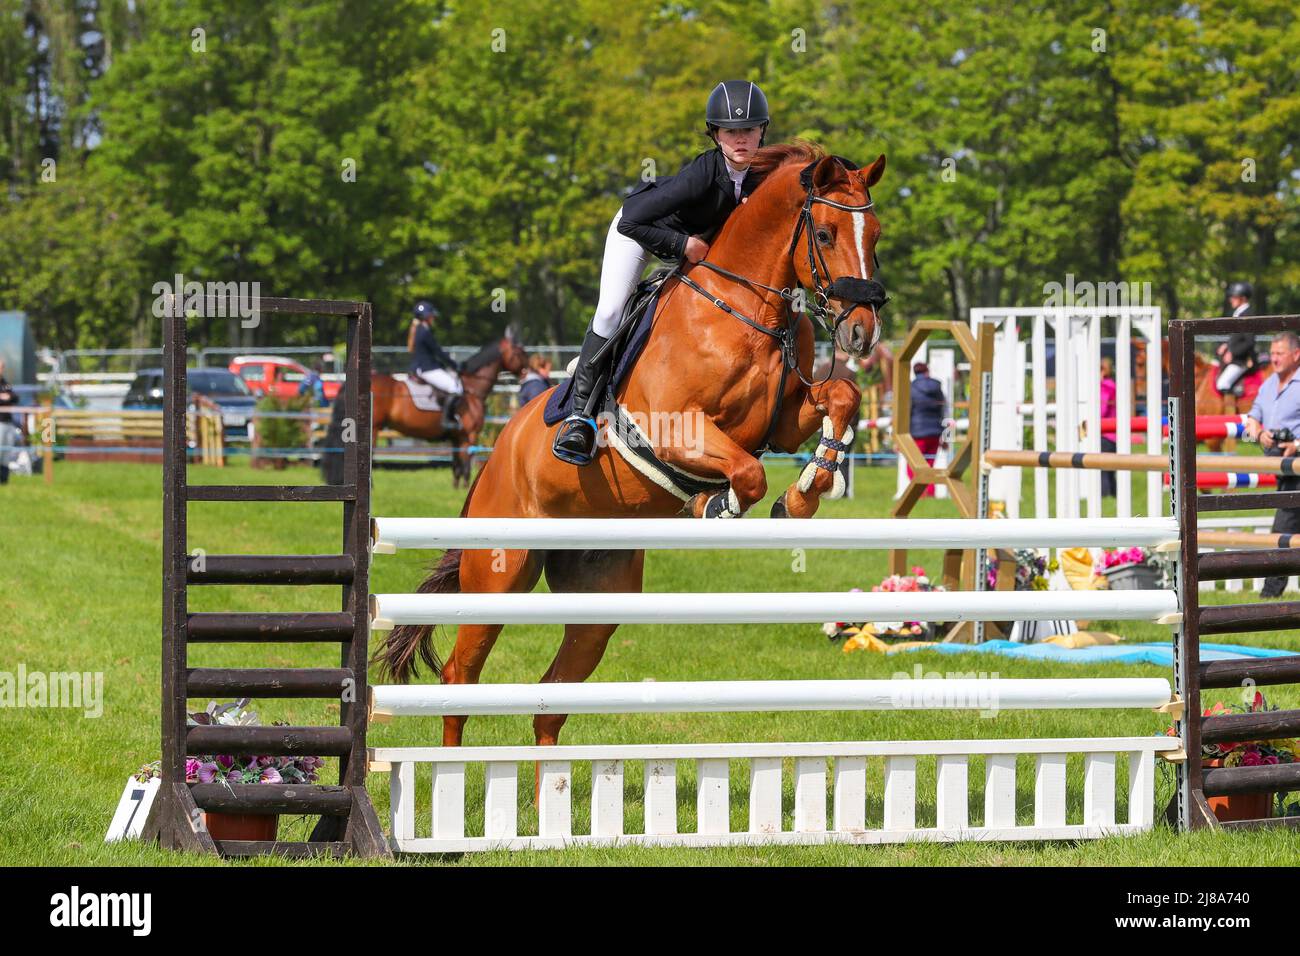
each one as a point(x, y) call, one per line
point(277, 375)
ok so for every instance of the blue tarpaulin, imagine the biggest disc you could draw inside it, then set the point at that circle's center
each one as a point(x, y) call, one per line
point(1157, 653)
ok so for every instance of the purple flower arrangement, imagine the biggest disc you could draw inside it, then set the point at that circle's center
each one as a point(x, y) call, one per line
point(245, 768)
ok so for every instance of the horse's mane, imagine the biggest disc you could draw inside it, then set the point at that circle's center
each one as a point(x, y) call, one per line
point(483, 356)
point(771, 158)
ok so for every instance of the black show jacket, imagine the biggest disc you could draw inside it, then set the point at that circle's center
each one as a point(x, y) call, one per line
point(662, 214)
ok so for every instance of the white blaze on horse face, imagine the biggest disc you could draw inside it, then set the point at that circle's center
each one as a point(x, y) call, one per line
point(859, 227)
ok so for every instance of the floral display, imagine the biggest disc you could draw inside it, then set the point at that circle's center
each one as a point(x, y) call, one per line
point(1032, 570)
point(245, 768)
point(868, 635)
point(1255, 753)
point(1122, 558)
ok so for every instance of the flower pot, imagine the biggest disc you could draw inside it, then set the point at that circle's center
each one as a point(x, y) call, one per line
point(1239, 806)
point(1133, 577)
point(241, 826)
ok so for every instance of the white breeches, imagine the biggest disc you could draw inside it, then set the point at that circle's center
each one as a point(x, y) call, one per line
point(621, 270)
point(443, 379)
point(1229, 377)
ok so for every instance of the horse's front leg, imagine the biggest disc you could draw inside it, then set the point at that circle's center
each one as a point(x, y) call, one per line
point(832, 407)
point(706, 450)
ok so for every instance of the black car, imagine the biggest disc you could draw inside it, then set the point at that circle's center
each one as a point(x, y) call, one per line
point(222, 386)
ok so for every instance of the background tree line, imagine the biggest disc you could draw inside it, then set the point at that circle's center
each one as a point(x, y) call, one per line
point(490, 144)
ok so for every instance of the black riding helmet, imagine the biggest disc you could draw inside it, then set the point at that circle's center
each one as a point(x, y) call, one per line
point(736, 104)
point(1242, 289)
point(425, 309)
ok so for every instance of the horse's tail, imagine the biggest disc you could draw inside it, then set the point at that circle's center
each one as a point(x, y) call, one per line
point(407, 644)
point(331, 459)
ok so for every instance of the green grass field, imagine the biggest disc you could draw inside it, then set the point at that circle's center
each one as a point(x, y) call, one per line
point(81, 578)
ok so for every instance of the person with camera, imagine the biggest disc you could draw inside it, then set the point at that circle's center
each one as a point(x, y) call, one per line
point(1274, 422)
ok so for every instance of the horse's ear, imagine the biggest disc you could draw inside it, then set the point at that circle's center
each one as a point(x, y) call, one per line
point(871, 175)
point(828, 172)
point(511, 334)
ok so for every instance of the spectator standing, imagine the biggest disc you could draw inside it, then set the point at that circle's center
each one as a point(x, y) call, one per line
point(9, 434)
point(537, 379)
point(926, 422)
point(1277, 407)
point(1108, 389)
point(314, 384)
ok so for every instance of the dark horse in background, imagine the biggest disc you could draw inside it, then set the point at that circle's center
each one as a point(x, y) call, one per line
point(809, 221)
point(391, 407)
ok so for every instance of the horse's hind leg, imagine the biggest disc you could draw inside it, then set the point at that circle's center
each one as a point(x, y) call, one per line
point(583, 644)
point(495, 571)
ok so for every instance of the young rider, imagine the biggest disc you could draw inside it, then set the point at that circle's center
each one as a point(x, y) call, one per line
point(432, 364)
point(673, 218)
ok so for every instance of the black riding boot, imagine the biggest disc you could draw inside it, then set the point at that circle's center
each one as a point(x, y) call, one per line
point(451, 413)
point(576, 441)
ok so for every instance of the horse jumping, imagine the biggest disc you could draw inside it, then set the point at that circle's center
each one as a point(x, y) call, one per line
point(808, 224)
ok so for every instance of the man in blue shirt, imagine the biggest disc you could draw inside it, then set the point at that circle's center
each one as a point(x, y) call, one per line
point(1278, 407)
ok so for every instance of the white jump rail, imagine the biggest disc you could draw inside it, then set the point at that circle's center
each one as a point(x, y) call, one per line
point(664, 697)
point(389, 535)
point(834, 772)
point(791, 607)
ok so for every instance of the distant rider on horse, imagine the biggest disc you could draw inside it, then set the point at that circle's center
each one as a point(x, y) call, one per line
point(430, 363)
point(674, 217)
point(1238, 355)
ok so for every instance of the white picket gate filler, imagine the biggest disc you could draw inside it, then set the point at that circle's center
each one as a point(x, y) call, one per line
point(823, 772)
point(1077, 334)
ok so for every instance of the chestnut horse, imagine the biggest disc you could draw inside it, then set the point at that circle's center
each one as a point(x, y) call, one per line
point(393, 407)
point(808, 222)
point(1209, 400)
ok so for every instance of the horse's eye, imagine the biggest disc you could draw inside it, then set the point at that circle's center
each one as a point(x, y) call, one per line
point(823, 236)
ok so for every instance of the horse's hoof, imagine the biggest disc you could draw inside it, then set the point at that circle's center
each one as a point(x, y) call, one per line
point(779, 509)
point(723, 505)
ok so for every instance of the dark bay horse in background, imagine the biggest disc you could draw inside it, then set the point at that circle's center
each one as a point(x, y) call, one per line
point(392, 408)
point(809, 221)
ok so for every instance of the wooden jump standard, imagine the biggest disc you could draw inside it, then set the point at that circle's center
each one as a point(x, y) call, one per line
point(348, 822)
point(1190, 809)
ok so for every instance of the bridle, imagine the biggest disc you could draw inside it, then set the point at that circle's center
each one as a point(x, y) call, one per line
point(856, 291)
point(851, 289)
